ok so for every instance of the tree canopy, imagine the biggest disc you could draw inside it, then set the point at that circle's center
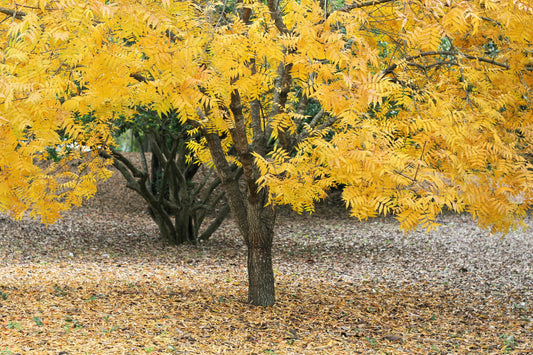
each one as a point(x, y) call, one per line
point(410, 106)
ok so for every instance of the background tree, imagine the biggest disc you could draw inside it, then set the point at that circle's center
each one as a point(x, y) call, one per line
point(423, 105)
point(178, 198)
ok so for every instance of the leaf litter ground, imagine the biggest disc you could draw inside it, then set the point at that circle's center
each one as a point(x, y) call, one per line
point(99, 282)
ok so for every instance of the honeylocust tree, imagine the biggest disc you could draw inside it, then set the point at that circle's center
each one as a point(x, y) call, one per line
point(411, 107)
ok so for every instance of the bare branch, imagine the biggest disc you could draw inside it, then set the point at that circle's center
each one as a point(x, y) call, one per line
point(227, 177)
point(327, 124)
point(14, 13)
point(491, 20)
point(390, 69)
point(318, 116)
point(241, 144)
point(142, 152)
point(282, 86)
point(215, 224)
point(455, 54)
point(314, 121)
point(302, 105)
point(275, 12)
point(359, 5)
point(116, 155)
point(259, 138)
point(139, 77)
point(432, 65)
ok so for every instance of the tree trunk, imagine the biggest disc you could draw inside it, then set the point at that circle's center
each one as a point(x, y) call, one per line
point(260, 275)
point(255, 220)
point(261, 220)
point(181, 231)
point(184, 226)
point(156, 175)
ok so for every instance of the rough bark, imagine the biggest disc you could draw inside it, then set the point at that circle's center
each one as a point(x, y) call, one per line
point(260, 276)
point(261, 219)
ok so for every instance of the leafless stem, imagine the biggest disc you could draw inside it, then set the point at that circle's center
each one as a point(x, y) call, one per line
point(275, 12)
point(14, 13)
point(359, 5)
point(455, 54)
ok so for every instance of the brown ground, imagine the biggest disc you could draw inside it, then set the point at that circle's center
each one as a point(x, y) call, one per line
point(100, 282)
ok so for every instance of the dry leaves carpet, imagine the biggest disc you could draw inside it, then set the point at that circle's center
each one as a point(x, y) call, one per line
point(99, 282)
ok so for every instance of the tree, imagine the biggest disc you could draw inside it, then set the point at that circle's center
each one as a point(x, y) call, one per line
point(410, 106)
point(177, 202)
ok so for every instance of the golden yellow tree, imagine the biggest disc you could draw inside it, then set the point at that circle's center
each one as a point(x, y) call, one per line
point(410, 106)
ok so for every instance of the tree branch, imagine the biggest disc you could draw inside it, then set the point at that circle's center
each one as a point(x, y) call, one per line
point(215, 224)
point(275, 12)
point(282, 86)
point(143, 154)
point(240, 141)
point(122, 159)
point(229, 182)
point(128, 171)
point(139, 77)
point(455, 54)
point(259, 141)
point(359, 5)
point(390, 69)
point(306, 131)
point(432, 65)
point(14, 13)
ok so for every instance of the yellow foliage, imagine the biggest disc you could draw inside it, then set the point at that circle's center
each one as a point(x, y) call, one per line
point(417, 106)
